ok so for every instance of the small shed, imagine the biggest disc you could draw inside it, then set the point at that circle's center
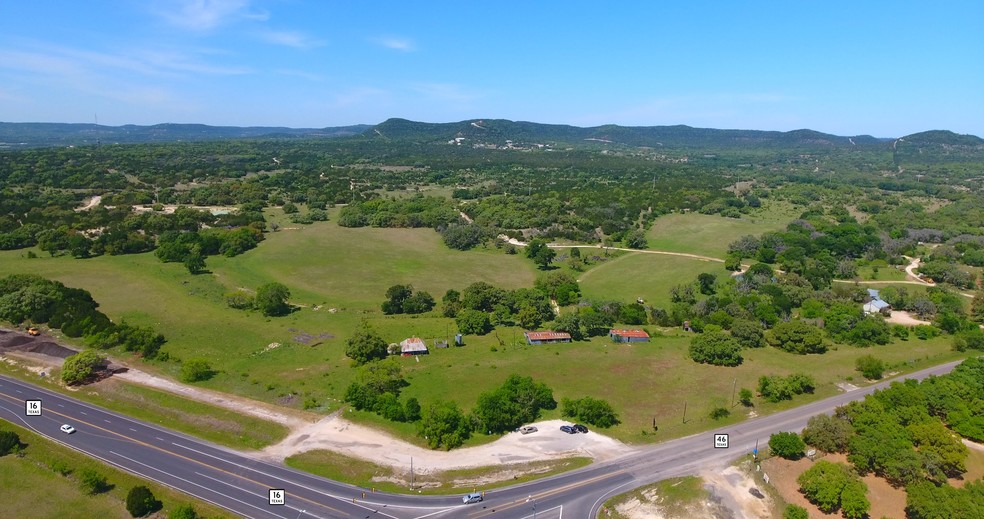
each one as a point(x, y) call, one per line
point(546, 337)
point(875, 305)
point(628, 335)
point(413, 346)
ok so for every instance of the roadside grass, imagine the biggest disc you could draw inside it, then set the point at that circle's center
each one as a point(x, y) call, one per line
point(373, 477)
point(650, 276)
point(707, 235)
point(675, 497)
point(24, 479)
point(214, 424)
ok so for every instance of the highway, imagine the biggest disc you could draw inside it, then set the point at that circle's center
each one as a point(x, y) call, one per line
point(241, 484)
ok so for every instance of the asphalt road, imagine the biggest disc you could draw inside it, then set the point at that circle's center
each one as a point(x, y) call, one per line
point(235, 481)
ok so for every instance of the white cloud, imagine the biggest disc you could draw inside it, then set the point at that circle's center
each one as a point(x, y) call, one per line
point(297, 40)
point(396, 43)
point(202, 15)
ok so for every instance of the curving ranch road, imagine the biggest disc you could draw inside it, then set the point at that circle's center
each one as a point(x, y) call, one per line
point(241, 484)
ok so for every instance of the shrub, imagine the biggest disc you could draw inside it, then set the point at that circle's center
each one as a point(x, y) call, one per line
point(9, 442)
point(745, 397)
point(140, 501)
point(473, 322)
point(183, 512)
point(833, 486)
point(787, 445)
point(925, 331)
point(196, 370)
point(444, 425)
point(79, 368)
point(870, 367)
point(828, 433)
point(720, 412)
point(240, 300)
point(92, 482)
point(590, 410)
point(797, 337)
point(717, 348)
point(776, 388)
point(795, 512)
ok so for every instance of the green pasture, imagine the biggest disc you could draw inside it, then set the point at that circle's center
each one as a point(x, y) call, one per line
point(298, 360)
point(51, 470)
point(889, 273)
point(645, 275)
point(707, 235)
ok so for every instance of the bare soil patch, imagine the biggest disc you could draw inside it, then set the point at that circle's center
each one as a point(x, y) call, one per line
point(904, 318)
point(886, 501)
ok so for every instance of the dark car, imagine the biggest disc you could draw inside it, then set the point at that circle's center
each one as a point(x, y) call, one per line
point(580, 428)
point(568, 429)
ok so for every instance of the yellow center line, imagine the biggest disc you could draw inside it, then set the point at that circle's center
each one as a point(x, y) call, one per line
point(545, 494)
point(180, 456)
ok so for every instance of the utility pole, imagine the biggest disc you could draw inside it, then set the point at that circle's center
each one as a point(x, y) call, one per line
point(684, 412)
point(733, 388)
point(411, 472)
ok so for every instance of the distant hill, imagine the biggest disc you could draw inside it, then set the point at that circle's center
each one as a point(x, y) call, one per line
point(927, 146)
point(498, 131)
point(21, 135)
point(938, 146)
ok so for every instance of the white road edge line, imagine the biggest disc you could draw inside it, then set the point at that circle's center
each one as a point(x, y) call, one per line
point(131, 460)
point(226, 483)
point(110, 462)
point(361, 503)
point(541, 512)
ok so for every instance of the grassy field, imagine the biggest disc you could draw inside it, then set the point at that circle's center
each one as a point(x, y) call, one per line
point(649, 276)
point(883, 274)
point(709, 235)
point(325, 266)
point(39, 472)
point(348, 270)
point(371, 476)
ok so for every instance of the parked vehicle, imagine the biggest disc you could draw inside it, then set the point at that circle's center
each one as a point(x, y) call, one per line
point(580, 428)
point(474, 497)
point(526, 429)
point(67, 429)
point(568, 429)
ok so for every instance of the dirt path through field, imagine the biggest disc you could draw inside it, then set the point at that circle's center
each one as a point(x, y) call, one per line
point(90, 203)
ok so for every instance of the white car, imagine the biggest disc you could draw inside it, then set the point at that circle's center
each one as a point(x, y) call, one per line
point(67, 429)
point(526, 429)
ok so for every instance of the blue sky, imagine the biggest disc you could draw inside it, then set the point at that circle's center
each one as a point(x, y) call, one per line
point(844, 67)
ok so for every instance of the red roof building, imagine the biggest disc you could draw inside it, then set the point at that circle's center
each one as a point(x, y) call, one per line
point(628, 335)
point(546, 337)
